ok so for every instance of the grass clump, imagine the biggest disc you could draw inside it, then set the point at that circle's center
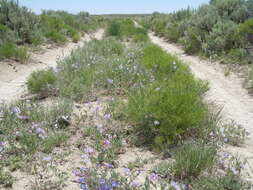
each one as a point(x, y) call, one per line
point(192, 159)
point(41, 80)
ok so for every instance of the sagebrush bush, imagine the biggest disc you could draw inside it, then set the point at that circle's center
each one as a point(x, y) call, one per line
point(212, 30)
point(41, 80)
point(193, 159)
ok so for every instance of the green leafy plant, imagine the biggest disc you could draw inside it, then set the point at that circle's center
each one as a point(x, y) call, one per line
point(41, 80)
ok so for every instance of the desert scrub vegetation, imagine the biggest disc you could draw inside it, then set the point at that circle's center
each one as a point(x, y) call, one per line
point(132, 96)
point(20, 27)
point(220, 29)
point(29, 127)
point(125, 30)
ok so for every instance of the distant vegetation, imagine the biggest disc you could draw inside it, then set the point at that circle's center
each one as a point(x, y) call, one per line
point(221, 29)
point(20, 27)
point(125, 29)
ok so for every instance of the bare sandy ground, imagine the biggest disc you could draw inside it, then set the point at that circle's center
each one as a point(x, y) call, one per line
point(14, 75)
point(226, 92)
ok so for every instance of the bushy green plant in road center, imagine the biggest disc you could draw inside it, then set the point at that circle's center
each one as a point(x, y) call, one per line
point(40, 80)
point(171, 105)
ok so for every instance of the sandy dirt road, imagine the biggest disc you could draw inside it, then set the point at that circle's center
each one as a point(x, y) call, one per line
point(225, 92)
point(13, 76)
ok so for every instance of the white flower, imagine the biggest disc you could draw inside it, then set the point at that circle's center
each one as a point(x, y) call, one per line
point(156, 123)
point(157, 89)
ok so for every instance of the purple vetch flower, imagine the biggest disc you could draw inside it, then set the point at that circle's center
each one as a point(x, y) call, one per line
point(89, 150)
point(154, 177)
point(40, 131)
point(105, 187)
point(126, 171)
point(107, 116)
point(82, 180)
point(106, 142)
point(47, 158)
point(134, 184)
point(157, 89)
point(83, 187)
point(115, 184)
point(102, 181)
point(107, 165)
point(15, 110)
point(78, 173)
point(2, 143)
point(175, 185)
point(34, 126)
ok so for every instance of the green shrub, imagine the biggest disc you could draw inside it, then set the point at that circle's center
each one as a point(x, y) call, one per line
point(169, 107)
point(7, 50)
point(56, 37)
point(76, 37)
point(40, 80)
point(246, 29)
point(192, 159)
point(113, 29)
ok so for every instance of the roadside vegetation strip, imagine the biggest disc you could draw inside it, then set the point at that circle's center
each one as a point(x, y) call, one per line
point(22, 30)
point(141, 97)
point(220, 30)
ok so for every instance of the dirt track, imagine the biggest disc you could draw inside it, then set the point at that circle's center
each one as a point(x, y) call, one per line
point(14, 75)
point(225, 92)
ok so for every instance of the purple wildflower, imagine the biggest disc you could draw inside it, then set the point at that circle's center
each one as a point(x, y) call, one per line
point(134, 184)
point(105, 186)
point(175, 185)
point(82, 180)
point(106, 142)
point(89, 150)
point(107, 165)
point(83, 187)
point(102, 181)
point(40, 131)
point(15, 110)
point(78, 173)
point(48, 158)
point(126, 171)
point(115, 184)
point(154, 177)
point(35, 126)
point(107, 116)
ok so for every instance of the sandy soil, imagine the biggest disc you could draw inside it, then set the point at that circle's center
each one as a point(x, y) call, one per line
point(14, 75)
point(225, 92)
